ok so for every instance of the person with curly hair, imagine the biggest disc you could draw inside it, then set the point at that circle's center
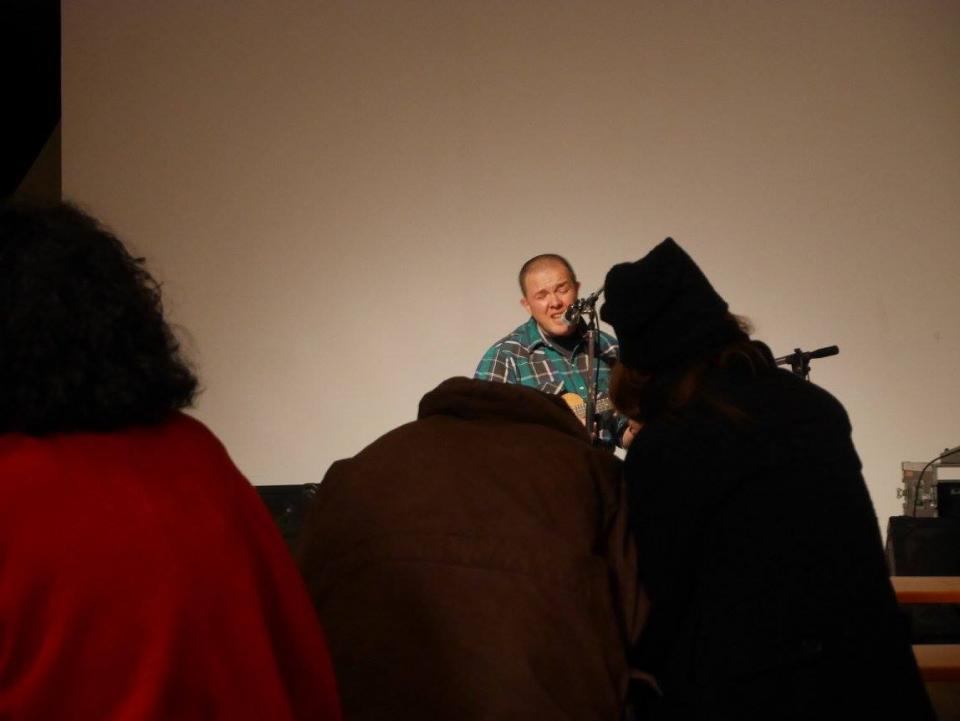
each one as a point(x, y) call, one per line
point(141, 577)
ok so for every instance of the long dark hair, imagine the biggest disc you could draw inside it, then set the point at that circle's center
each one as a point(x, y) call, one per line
point(83, 342)
point(644, 396)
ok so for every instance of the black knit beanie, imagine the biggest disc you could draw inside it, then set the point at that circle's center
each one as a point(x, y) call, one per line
point(664, 310)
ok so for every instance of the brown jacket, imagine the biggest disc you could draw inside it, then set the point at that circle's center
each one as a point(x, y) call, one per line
point(473, 564)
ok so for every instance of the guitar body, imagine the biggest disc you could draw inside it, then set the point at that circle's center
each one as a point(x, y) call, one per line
point(579, 406)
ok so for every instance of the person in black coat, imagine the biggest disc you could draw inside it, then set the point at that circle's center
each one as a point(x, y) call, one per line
point(757, 540)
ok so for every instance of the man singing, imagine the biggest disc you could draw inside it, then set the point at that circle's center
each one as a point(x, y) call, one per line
point(549, 354)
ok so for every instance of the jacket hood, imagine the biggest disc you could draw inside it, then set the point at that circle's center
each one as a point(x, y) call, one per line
point(476, 400)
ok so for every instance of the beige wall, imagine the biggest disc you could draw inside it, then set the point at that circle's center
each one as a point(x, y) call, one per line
point(338, 195)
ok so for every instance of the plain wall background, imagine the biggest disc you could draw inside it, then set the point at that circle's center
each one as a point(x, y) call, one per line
point(337, 195)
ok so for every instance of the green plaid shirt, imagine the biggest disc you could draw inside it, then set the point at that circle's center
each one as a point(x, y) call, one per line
point(527, 358)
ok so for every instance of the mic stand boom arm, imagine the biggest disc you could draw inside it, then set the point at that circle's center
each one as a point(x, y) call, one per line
point(799, 360)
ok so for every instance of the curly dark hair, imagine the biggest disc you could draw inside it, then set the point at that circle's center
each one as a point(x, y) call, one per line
point(83, 342)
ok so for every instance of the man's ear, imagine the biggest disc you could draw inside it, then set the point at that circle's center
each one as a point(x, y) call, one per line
point(576, 286)
point(525, 304)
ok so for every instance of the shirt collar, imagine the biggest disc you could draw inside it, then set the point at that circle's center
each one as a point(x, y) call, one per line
point(534, 336)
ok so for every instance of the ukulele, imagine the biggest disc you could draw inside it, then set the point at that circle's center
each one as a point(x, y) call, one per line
point(579, 406)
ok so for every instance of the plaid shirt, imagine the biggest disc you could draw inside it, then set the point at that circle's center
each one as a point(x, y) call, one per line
point(527, 358)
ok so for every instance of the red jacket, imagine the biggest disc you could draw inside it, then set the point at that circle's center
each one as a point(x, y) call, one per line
point(142, 579)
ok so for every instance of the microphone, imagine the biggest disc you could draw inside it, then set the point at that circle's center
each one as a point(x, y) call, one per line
point(571, 315)
point(824, 352)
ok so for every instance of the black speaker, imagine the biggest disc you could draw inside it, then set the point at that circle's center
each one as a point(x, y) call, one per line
point(948, 499)
point(288, 505)
point(927, 547)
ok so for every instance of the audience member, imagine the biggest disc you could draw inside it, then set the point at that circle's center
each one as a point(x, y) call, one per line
point(473, 564)
point(757, 540)
point(141, 579)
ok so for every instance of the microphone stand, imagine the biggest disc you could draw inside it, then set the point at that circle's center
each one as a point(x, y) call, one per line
point(799, 361)
point(590, 410)
point(586, 308)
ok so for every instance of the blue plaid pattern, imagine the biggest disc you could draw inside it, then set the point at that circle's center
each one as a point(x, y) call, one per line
point(526, 358)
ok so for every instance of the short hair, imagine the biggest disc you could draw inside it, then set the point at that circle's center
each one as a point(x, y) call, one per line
point(83, 342)
point(543, 259)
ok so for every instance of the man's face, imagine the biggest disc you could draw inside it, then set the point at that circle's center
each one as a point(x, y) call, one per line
point(549, 291)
